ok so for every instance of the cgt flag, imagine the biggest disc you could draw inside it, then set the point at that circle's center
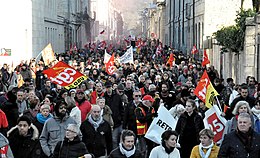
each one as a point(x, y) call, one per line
point(170, 60)
point(64, 75)
point(205, 60)
point(201, 89)
point(110, 68)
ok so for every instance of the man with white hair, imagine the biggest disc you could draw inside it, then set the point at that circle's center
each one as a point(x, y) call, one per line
point(243, 142)
point(97, 134)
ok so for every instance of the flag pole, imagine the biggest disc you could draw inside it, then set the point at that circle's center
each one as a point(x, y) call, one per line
point(219, 106)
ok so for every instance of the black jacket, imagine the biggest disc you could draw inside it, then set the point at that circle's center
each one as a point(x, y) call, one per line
point(97, 141)
point(24, 147)
point(67, 149)
point(115, 103)
point(232, 147)
point(117, 154)
point(129, 121)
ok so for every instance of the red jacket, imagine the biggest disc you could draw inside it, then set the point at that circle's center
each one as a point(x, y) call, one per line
point(94, 96)
point(85, 108)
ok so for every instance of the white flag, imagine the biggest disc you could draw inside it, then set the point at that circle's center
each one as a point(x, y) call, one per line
point(106, 57)
point(214, 121)
point(163, 122)
point(128, 57)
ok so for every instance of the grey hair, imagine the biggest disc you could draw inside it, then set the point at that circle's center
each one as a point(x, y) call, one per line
point(245, 115)
point(75, 127)
point(151, 86)
point(238, 105)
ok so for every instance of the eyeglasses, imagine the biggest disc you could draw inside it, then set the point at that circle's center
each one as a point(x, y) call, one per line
point(138, 96)
point(62, 107)
point(68, 130)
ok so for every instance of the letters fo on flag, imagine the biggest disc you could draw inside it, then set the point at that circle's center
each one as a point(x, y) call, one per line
point(48, 54)
point(201, 89)
point(163, 122)
point(214, 121)
point(210, 95)
point(64, 75)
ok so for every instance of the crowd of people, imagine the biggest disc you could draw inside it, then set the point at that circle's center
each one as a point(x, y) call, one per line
point(108, 115)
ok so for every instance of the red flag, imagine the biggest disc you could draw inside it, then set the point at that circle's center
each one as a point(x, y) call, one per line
point(201, 89)
point(110, 68)
point(64, 75)
point(170, 60)
point(194, 50)
point(102, 32)
point(205, 60)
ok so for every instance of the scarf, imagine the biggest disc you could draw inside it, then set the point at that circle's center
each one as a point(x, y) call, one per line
point(95, 123)
point(201, 147)
point(42, 119)
point(126, 152)
point(245, 138)
point(256, 112)
point(167, 150)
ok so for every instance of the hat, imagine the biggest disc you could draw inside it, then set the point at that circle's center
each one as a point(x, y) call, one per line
point(72, 90)
point(108, 84)
point(149, 98)
point(45, 106)
point(80, 91)
point(120, 86)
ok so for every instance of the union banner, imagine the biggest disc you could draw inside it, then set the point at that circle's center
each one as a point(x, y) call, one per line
point(64, 75)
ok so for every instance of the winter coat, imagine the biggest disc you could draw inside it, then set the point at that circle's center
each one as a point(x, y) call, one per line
point(5, 147)
point(53, 132)
point(10, 109)
point(232, 147)
point(70, 149)
point(84, 107)
point(129, 121)
point(115, 103)
point(24, 146)
point(107, 115)
point(188, 128)
point(159, 152)
point(98, 141)
point(195, 153)
point(116, 153)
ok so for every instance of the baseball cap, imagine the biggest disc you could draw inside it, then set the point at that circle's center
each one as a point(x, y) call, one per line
point(149, 98)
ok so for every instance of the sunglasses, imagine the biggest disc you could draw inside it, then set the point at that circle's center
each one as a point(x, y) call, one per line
point(138, 96)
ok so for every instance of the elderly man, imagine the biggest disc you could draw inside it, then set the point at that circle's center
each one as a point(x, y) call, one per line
point(241, 143)
point(97, 134)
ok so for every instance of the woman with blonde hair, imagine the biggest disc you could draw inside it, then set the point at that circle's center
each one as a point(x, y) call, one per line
point(206, 148)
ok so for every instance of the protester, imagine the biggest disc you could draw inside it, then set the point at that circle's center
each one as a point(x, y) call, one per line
point(243, 142)
point(83, 104)
point(144, 117)
point(106, 112)
point(188, 127)
point(23, 139)
point(71, 146)
point(97, 134)
point(73, 110)
point(167, 149)
point(126, 148)
point(42, 117)
point(206, 148)
point(54, 128)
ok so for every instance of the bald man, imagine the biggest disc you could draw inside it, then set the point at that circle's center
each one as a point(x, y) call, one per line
point(97, 134)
